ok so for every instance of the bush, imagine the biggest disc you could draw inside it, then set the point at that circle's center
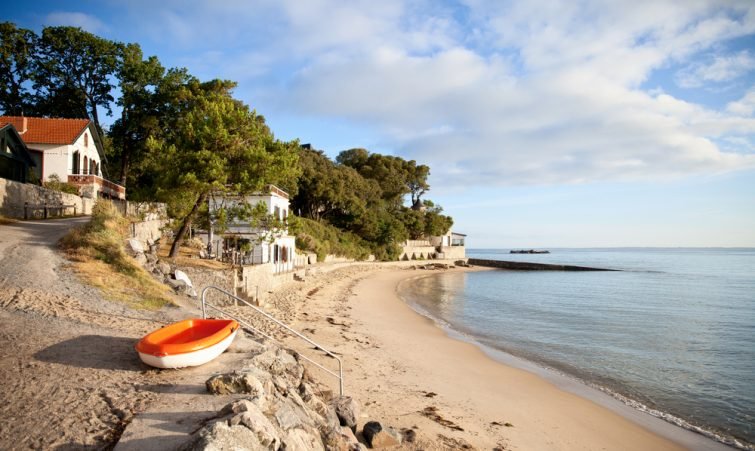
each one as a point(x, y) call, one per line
point(54, 183)
point(324, 239)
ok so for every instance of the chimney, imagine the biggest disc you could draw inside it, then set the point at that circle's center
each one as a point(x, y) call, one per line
point(24, 125)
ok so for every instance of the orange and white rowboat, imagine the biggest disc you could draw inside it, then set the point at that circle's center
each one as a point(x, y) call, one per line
point(191, 342)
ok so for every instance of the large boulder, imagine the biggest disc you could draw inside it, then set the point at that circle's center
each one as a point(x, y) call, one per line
point(237, 382)
point(219, 436)
point(303, 439)
point(285, 370)
point(163, 267)
point(289, 415)
point(258, 423)
point(182, 276)
point(347, 410)
point(379, 437)
point(134, 247)
point(240, 425)
point(178, 286)
point(341, 439)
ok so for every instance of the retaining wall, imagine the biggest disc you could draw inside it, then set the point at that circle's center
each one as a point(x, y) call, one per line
point(257, 281)
point(417, 252)
point(13, 196)
point(453, 252)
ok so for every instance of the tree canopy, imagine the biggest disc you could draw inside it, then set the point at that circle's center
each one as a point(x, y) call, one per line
point(364, 193)
point(179, 140)
point(215, 144)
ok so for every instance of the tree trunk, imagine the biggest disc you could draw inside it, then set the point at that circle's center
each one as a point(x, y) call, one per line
point(126, 151)
point(185, 226)
point(125, 165)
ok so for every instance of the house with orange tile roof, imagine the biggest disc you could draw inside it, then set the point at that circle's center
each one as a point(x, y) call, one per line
point(70, 148)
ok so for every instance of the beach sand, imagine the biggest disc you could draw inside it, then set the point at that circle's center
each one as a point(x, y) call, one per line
point(72, 380)
point(408, 373)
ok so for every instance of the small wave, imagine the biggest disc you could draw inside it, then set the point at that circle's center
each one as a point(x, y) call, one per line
point(725, 439)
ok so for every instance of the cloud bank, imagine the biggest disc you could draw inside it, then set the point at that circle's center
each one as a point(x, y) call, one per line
point(499, 93)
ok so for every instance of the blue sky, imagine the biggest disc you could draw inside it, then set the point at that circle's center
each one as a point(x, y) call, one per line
point(545, 123)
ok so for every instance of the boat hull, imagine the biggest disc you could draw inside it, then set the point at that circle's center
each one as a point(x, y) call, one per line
point(187, 343)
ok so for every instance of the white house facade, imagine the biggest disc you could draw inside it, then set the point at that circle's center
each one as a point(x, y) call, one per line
point(68, 148)
point(250, 244)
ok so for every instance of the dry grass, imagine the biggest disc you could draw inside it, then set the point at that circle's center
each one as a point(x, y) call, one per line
point(96, 250)
point(4, 220)
point(142, 292)
point(189, 256)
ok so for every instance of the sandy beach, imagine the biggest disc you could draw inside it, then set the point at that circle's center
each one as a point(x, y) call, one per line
point(68, 361)
point(409, 373)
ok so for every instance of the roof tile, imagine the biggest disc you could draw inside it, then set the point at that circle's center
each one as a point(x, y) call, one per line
point(42, 130)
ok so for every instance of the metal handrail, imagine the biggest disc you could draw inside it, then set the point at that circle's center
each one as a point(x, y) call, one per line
point(276, 321)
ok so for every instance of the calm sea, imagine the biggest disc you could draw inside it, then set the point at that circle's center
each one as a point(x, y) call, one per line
point(672, 334)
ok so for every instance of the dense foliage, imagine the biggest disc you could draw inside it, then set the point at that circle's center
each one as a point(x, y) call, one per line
point(363, 193)
point(179, 140)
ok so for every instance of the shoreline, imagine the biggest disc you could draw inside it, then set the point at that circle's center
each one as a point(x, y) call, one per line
point(398, 359)
point(666, 428)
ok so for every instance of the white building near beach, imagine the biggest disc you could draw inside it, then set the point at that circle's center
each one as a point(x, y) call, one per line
point(252, 244)
point(69, 149)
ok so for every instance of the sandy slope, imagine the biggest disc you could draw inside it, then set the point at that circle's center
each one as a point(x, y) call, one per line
point(70, 377)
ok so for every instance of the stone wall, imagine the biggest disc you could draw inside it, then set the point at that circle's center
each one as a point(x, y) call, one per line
point(258, 281)
point(454, 252)
point(147, 231)
point(13, 195)
point(417, 252)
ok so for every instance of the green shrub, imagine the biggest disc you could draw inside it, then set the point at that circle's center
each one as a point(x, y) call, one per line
point(324, 239)
point(54, 183)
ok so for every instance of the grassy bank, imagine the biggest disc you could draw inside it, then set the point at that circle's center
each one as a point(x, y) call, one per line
point(99, 258)
point(324, 239)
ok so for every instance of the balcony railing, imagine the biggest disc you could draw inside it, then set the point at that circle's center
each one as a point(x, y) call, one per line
point(103, 186)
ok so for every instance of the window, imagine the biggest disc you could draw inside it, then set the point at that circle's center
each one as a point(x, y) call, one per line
point(86, 139)
point(76, 163)
point(86, 165)
point(277, 213)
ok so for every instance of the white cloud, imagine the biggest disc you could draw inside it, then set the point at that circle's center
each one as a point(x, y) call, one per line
point(719, 69)
point(744, 106)
point(76, 19)
point(493, 92)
